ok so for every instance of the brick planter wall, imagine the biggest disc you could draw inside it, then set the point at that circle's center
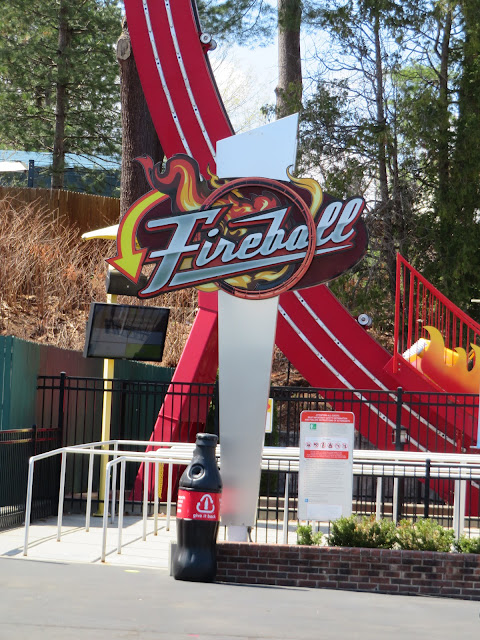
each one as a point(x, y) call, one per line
point(427, 573)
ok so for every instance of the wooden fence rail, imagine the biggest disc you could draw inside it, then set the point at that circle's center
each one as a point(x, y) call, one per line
point(87, 212)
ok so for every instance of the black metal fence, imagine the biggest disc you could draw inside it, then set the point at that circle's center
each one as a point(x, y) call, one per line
point(438, 422)
point(16, 447)
point(441, 421)
point(75, 405)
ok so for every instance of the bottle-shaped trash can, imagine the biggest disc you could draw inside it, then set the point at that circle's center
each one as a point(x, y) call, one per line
point(198, 514)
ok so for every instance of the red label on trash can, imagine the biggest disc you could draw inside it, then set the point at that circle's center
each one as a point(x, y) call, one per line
point(198, 505)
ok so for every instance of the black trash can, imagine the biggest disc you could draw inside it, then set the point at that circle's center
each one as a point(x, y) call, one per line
point(198, 514)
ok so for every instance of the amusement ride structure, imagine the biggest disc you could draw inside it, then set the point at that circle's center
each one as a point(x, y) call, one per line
point(435, 342)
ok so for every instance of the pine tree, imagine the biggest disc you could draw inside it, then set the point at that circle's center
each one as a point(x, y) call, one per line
point(58, 78)
point(245, 22)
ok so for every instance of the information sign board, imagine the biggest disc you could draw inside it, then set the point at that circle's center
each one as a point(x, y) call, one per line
point(325, 476)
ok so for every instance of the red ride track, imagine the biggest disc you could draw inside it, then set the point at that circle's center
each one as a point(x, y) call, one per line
point(314, 331)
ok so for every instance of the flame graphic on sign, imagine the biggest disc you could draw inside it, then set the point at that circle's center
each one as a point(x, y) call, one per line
point(450, 368)
point(180, 181)
point(313, 188)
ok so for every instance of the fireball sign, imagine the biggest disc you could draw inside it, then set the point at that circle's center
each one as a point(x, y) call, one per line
point(251, 237)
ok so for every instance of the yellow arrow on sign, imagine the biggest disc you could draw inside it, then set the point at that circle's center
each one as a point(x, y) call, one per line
point(129, 260)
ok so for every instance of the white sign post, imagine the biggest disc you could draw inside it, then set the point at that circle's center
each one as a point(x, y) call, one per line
point(246, 338)
point(325, 476)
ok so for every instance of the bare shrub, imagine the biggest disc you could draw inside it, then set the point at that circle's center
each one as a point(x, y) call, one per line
point(49, 277)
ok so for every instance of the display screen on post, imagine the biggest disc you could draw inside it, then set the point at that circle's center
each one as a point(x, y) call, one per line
point(126, 331)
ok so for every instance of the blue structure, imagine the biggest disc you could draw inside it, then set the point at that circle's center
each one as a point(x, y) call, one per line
point(83, 173)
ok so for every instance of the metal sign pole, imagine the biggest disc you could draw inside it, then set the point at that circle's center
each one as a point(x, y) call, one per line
point(108, 373)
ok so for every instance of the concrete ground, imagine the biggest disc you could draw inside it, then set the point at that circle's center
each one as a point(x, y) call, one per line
point(61, 590)
point(76, 545)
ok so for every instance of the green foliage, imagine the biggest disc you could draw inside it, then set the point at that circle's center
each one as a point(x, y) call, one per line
point(424, 535)
point(365, 532)
point(402, 128)
point(306, 536)
point(35, 73)
point(247, 22)
point(467, 545)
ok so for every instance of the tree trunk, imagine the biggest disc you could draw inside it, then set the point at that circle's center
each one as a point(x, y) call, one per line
point(381, 120)
point(444, 123)
point(385, 208)
point(289, 89)
point(138, 132)
point(58, 159)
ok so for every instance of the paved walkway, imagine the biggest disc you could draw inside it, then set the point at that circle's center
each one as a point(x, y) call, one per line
point(76, 545)
point(61, 591)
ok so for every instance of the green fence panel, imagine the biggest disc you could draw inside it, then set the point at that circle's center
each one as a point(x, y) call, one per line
point(6, 356)
point(22, 361)
point(130, 370)
point(134, 414)
point(23, 390)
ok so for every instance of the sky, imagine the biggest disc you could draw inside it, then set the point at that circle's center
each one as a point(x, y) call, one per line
point(249, 77)
point(246, 79)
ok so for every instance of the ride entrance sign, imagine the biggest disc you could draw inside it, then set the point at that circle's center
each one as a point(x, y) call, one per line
point(246, 231)
point(325, 474)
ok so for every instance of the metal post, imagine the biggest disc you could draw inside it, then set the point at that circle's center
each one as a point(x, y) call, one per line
point(121, 503)
point(105, 511)
point(169, 495)
point(155, 504)
point(61, 494)
point(146, 483)
point(378, 503)
point(28, 505)
point(285, 509)
point(89, 492)
point(114, 485)
point(426, 509)
point(108, 373)
point(395, 508)
point(459, 507)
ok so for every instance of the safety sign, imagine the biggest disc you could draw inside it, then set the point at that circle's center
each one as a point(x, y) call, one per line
point(325, 477)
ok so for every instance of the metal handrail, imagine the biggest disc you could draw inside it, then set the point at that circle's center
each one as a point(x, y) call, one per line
point(146, 460)
point(397, 464)
point(90, 450)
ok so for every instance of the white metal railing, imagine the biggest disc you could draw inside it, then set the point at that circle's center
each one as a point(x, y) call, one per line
point(166, 454)
point(398, 464)
point(147, 460)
